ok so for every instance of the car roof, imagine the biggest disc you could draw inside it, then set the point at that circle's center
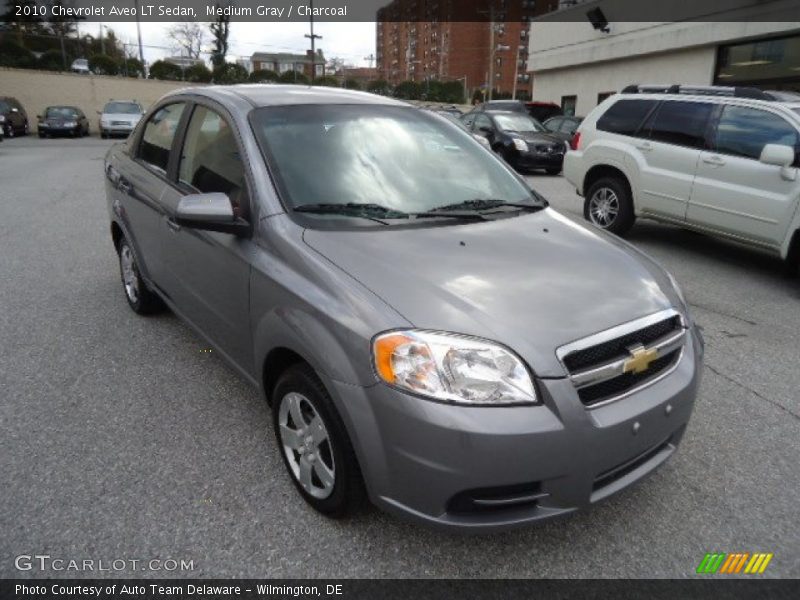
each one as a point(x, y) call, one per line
point(259, 94)
point(712, 98)
point(62, 106)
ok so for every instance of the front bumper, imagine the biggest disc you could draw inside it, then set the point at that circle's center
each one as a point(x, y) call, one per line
point(117, 129)
point(537, 160)
point(488, 468)
point(56, 130)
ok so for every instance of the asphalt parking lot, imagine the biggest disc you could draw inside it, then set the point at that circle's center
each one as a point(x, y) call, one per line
point(122, 438)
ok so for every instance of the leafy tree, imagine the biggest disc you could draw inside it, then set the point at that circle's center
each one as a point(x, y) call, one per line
point(327, 81)
point(293, 77)
point(162, 69)
point(103, 65)
point(379, 86)
point(132, 67)
point(22, 25)
point(14, 55)
point(50, 61)
point(477, 96)
point(198, 74)
point(408, 90)
point(220, 29)
point(229, 73)
point(351, 83)
point(263, 75)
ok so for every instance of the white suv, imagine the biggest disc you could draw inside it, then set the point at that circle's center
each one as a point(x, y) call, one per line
point(719, 160)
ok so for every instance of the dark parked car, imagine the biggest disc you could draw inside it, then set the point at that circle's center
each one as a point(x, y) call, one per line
point(63, 120)
point(521, 140)
point(541, 111)
point(564, 127)
point(426, 331)
point(13, 118)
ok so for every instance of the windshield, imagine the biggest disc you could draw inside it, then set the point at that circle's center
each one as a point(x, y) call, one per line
point(61, 112)
point(518, 123)
point(125, 108)
point(397, 157)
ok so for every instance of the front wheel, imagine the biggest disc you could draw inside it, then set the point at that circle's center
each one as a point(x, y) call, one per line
point(314, 444)
point(553, 171)
point(140, 299)
point(609, 206)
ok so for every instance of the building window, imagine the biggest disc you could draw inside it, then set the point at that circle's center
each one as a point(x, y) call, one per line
point(771, 63)
point(568, 104)
point(603, 95)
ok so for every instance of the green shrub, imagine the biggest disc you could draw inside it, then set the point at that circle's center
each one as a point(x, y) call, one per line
point(51, 61)
point(293, 77)
point(326, 81)
point(263, 75)
point(198, 74)
point(161, 69)
point(14, 55)
point(229, 73)
point(103, 65)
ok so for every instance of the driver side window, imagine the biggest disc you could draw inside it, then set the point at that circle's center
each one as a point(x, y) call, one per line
point(210, 161)
point(158, 135)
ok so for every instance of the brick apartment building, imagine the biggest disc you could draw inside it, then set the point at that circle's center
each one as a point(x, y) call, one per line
point(419, 40)
point(281, 62)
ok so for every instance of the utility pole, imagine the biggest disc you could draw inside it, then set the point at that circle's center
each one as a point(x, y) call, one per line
point(370, 59)
point(102, 40)
point(139, 34)
point(312, 37)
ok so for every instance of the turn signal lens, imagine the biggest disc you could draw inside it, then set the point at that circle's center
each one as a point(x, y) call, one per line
point(575, 143)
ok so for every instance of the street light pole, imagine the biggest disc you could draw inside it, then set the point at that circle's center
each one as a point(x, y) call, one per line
point(312, 37)
point(139, 35)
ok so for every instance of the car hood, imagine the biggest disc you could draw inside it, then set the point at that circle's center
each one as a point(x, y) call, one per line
point(533, 282)
point(121, 117)
point(59, 120)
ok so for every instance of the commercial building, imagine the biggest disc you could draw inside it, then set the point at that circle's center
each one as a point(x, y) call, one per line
point(283, 62)
point(421, 40)
point(577, 63)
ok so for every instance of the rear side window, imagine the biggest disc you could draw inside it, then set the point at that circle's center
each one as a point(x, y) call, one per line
point(158, 135)
point(625, 116)
point(744, 131)
point(680, 123)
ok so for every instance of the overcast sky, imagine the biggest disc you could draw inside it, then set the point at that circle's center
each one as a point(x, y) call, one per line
point(349, 41)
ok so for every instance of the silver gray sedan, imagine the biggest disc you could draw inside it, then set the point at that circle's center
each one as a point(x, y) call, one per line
point(427, 332)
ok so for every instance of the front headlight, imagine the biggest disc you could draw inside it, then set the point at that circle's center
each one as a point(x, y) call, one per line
point(70, 124)
point(452, 368)
point(520, 145)
point(2, 119)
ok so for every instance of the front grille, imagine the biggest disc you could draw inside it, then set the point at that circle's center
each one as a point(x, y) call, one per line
point(121, 123)
point(609, 388)
point(618, 347)
point(611, 475)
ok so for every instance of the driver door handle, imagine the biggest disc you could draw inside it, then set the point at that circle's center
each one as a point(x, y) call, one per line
point(646, 146)
point(124, 185)
point(714, 160)
point(173, 225)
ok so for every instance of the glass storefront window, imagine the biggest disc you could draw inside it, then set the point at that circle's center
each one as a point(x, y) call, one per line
point(768, 64)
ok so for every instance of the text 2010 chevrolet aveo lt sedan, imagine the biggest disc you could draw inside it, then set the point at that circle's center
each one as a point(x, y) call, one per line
point(426, 330)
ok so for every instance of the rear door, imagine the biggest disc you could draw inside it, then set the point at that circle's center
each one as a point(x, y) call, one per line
point(735, 193)
point(139, 184)
point(667, 152)
point(209, 272)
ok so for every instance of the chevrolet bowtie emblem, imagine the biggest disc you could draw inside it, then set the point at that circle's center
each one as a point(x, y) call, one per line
point(640, 359)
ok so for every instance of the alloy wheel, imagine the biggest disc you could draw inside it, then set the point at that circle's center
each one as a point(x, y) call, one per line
point(306, 445)
point(603, 207)
point(130, 277)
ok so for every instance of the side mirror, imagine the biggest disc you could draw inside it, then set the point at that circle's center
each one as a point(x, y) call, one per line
point(781, 156)
point(210, 212)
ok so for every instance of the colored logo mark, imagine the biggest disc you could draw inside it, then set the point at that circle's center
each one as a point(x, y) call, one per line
point(736, 562)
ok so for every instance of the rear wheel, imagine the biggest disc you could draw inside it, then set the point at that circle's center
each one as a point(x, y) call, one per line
point(10, 131)
point(608, 205)
point(103, 134)
point(139, 297)
point(314, 444)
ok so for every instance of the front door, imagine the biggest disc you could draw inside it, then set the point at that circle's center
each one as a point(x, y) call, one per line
point(209, 271)
point(736, 194)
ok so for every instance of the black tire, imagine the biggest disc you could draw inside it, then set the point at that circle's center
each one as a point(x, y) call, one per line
point(41, 134)
point(141, 300)
point(103, 134)
point(616, 193)
point(10, 131)
point(553, 171)
point(347, 494)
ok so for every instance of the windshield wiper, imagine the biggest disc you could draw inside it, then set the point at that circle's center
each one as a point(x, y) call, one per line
point(482, 204)
point(355, 209)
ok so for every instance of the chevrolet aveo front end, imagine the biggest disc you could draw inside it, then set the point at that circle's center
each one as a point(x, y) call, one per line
point(427, 332)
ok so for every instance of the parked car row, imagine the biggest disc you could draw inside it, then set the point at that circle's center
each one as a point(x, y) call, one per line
point(118, 117)
point(719, 160)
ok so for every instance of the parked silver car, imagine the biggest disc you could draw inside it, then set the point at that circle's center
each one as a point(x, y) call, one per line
point(427, 331)
point(119, 117)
